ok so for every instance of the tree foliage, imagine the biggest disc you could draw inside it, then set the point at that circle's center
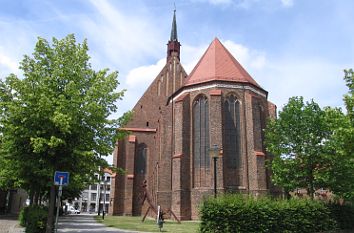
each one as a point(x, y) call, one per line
point(296, 139)
point(56, 117)
point(313, 148)
point(340, 172)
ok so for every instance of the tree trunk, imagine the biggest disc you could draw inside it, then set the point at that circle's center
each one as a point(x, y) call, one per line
point(40, 198)
point(310, 187)
point(287, 195)
point(36, 197)
point(31, 196)
point(50, 219)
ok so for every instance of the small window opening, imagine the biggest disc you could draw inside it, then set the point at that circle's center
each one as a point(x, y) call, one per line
point(147, 124)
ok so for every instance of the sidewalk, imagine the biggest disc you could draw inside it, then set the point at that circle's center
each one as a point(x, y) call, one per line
point(84, 223)
point(10, 224)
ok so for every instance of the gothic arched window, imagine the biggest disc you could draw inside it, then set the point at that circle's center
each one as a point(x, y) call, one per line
point(141, 158)
point(232, 131)
point(258, 124)
point(201, 143)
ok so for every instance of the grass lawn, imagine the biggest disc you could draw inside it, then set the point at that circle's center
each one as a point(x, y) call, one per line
point(149, 225)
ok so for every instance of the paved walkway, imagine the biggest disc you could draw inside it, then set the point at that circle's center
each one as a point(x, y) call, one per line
point(84, 223)
point(10, 224)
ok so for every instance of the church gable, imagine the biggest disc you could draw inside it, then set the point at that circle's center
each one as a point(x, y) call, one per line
point(154, 100)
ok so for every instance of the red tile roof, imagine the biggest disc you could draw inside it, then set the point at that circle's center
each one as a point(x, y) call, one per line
point(217, 63)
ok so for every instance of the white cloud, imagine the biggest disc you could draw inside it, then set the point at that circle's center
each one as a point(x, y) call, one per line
point(9, 65)
point(249, 58)
point(247, 4)
point(311, 78)
point(215, 2)
point(14, 45)
point(287, 3)
point(190, 55)
point(126, 39)
point(220, 2)
point(143, 76)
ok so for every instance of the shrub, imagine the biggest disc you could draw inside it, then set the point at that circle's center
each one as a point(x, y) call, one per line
point(34, 218)
point(235, 213)
point(343, 215)
point(23, 216)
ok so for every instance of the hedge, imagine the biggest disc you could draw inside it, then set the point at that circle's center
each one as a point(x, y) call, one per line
point(34, 218)
point(236, 213)
point(343, 214)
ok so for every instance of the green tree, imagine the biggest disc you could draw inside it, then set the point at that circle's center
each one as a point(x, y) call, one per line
point(339, 174)
point(297, 141)
point(349, 97)
point(313, 148)
point(57, 117)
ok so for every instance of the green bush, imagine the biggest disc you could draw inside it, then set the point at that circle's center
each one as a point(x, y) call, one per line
point(343, 214)
point(34, 218)
point(235, 213)
point(23, 216)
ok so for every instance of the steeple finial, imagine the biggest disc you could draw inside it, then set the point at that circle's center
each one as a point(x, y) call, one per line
point(174, 27)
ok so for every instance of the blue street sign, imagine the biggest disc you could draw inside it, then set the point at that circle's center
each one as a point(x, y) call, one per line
point(61, 175)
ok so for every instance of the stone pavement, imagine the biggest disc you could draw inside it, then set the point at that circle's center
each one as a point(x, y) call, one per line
point(84, 223)
point(10, 224)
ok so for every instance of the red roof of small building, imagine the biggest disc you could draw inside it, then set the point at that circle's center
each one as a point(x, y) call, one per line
point(217, 63)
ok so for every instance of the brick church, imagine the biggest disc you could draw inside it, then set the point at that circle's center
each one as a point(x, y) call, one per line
point(179, 122)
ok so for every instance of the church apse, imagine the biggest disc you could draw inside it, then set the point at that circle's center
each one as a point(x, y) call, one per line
point(176, 122)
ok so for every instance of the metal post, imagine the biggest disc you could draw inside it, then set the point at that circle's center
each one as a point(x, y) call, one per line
point(99, 194)
point(214, 153)
point(215, 176)
point(58, 203)
point(104, 197)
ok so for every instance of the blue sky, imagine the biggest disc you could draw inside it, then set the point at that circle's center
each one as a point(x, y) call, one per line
point(290, 47)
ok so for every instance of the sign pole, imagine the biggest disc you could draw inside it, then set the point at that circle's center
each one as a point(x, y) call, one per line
point(58, 203)
point(104, 197)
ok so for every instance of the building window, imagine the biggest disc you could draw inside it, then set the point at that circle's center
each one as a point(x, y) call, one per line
point(93, 196)
point(201, 160)
point(232, 131)
point(84, 195)
point(140, 165)
point(258, 124)
point(107, 197)
point(93, 186)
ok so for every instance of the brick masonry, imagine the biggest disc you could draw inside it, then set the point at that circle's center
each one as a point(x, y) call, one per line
point(162, 127)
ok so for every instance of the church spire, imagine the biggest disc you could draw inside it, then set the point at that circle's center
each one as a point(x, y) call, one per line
point(173, 46)
point(174, 28)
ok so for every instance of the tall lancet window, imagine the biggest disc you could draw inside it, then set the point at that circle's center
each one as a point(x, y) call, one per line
point(258, 124)
point(201, 161)
point(232, 131)
point(141, 159)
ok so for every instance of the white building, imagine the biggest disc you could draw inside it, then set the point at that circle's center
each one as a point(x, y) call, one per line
point(97, 195)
